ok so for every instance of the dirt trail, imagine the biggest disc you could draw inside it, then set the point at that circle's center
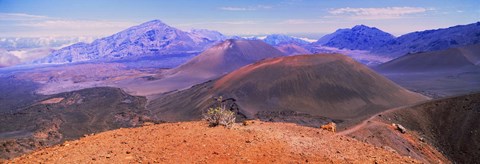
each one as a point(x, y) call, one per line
point(377, 130)
point(365, 122)
point(196, 142)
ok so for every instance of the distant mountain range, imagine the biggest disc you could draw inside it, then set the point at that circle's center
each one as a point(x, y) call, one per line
point(150, 39)
point(156, 40)
point(431, 40)
point(279, 39)
point(289, 45)
point(380, 43)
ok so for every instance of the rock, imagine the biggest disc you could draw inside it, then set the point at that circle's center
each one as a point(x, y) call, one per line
point(421, 139)
point(400, 128)
point(330, 127)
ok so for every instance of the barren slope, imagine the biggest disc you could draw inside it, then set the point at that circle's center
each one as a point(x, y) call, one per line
point(451, 72)
point(450, 125)
point(307, 89)
point(210, 64)
point(191, 142)
point(226, 57)
point(453, 59)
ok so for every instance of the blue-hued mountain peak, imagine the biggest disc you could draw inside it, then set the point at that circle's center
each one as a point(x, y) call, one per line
point(432, 40)
point(359, 37)
point(152, 39)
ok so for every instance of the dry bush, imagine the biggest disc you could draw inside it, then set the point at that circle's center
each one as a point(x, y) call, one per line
point(219, 114)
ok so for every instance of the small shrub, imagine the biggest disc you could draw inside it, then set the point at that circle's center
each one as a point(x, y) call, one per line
point(218, 114)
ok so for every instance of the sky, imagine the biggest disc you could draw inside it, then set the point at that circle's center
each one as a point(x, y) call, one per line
point(53, 18)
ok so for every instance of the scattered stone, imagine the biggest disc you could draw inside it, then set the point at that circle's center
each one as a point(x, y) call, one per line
point(148, 124)
point(248, 122)
point(388, 148)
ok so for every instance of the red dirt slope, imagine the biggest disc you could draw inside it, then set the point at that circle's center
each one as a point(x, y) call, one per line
point(196, 142)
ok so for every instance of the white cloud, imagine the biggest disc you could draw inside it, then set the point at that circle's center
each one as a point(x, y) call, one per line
point(301, 21)
point(236, 22)
point(235, 8)
point(250, 8)
point(38, 25)
point(8, 59)
point(377, 13)
point(77, 24)
point(307, 39)
point(20, 16)
point(31, 54)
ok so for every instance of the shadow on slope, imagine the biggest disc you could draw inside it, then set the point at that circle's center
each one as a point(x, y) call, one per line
point(15, 93)
point(452, 125)
point(68, 116)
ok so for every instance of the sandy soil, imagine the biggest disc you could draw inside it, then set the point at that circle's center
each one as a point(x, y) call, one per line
point(195, 142)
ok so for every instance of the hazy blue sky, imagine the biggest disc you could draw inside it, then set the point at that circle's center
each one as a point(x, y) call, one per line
point(232, 17)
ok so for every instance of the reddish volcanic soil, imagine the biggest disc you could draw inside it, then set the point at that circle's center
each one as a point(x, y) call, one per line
point(196, 142)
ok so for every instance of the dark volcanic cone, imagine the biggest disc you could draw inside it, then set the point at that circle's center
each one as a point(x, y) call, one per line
point(312, 86)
